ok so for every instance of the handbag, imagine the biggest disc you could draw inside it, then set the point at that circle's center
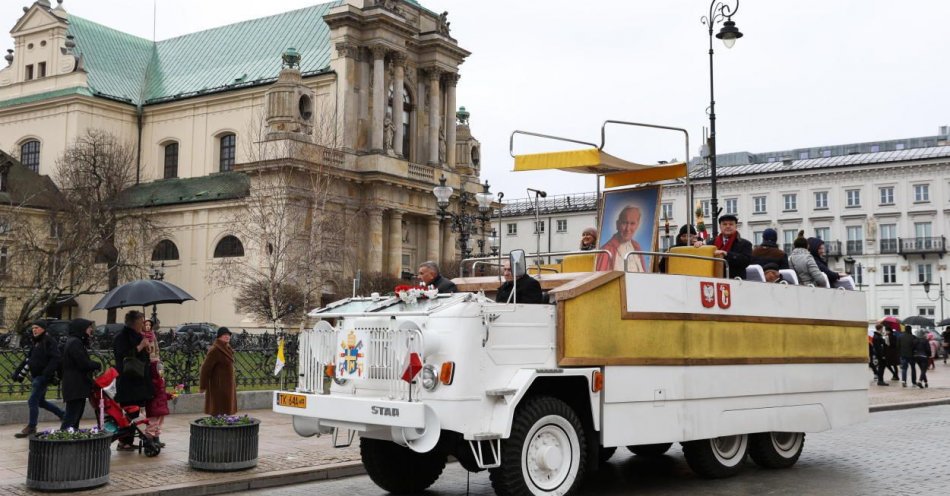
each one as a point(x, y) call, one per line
point(133, 367)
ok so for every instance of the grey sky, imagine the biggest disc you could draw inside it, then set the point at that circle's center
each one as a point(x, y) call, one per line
point(807, 73)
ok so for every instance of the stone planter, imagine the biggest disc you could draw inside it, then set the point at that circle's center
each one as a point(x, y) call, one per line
point(223, 448)
point(68, 465)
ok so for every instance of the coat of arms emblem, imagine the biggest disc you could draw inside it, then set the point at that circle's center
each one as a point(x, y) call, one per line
point(724, 295)
point(707, 293)
point(352, 359)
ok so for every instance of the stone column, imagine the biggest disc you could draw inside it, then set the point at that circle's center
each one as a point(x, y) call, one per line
point(395, 242)
point(448, 243)
point(379, 97)
point(399, 63)
point(451, 80)
point(432, 240)
point(435, 114)
point(374, 258)
point(362, 138)
point(349, 52)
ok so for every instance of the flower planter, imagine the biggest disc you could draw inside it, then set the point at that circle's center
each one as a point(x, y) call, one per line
point(223, 448)
point(61, 465)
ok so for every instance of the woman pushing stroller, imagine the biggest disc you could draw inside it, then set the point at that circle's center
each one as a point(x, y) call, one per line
point(134, 385)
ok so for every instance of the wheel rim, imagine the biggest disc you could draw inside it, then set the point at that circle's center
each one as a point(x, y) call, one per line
point(548, 459)
point(729, 450)
point(786, 444)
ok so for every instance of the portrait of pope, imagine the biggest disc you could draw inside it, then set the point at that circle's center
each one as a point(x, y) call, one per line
point(629, 224)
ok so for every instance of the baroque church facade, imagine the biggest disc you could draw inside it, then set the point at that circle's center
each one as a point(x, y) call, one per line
point(360, 91)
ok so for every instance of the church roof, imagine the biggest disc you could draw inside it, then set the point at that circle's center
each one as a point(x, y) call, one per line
point(23, 187)
point(214, 187)
point(132, 69)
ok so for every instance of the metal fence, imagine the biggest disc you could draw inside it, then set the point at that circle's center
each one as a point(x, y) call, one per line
point(255, 356)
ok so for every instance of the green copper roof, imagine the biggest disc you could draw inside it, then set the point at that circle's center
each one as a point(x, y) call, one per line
point(220, 186)
point(134, 69)
point(78, 90)
point(25, 187)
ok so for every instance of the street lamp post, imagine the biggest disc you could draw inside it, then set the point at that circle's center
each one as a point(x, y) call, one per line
point(718, 11)
point(940, 297)
point(157, 274)
point(463, 222)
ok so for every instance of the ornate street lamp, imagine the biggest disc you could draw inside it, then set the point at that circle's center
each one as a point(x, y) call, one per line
point(463, 222)
point(940, 297)
point(156, 274)
point(718, 11)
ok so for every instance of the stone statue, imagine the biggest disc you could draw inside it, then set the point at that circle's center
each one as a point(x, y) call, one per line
point(444, 23)
point(872, 228)
point(442, 144)
point(389, 131)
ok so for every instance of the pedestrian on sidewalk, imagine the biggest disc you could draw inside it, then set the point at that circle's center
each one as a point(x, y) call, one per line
point(933, 349)
point(892, 351)
point(922, 357)
point(157, 408)
point(132, 388)
point(907, 342)
point(217, 379)
point(877, 347)
point(43, 361)
point(946, 343)
point(77, 371)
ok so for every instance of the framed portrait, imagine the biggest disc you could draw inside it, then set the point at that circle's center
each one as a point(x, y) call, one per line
point(628, 222)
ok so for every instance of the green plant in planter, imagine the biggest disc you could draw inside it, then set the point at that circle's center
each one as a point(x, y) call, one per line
point(70, 434)
point(223, 442)
point(225, 420)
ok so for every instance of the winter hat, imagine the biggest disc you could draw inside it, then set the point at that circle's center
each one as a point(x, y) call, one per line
point(770, 235)
point(770, 266)
point(40, 323)
point(223, 330)
point(77, 327)
point(692, 230)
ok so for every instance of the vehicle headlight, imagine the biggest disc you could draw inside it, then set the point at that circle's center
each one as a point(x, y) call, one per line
point(430, 377)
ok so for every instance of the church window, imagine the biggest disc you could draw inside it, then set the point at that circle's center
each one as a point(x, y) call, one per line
point(30, 155)
point(165, 250)
point(226, 160)
point(229, 246)
point(171, 161)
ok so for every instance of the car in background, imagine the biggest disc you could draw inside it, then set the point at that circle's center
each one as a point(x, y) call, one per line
point(105, 333)
point(204, 331)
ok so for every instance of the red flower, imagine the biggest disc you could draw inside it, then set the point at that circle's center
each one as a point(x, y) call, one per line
point(401, 288)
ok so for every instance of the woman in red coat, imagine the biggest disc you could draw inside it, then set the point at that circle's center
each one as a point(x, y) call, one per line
point(157, 407)
point(217, 379)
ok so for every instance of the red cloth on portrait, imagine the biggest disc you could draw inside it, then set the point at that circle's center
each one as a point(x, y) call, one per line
point(604, 263)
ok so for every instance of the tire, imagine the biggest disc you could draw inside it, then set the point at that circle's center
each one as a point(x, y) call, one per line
point(658, 449)
point(400, 470)
point(776, 449)
point(604, 454)
point(716, 458)
point(546, 453)
point(151, 449)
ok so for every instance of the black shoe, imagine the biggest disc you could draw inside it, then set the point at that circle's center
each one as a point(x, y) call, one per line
point(882, 383)
point(895, 378)
point(25, 432)
point(920, 385)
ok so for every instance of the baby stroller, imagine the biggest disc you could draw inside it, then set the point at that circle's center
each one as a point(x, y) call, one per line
point(114, 418)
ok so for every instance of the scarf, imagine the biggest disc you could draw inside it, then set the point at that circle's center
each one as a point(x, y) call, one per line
point(727, 246)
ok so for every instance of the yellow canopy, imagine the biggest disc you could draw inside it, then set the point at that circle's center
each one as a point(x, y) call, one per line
point(617, 172)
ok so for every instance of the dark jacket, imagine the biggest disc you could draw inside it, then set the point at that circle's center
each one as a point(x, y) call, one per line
point(444, 285)
point(131, 390)
point(878, 346)
point(907, 344)
point(813, 244)
point(44, 356)
point(738, 257)
point(766, 253)
point(892, 350)
point(529, 291)
point(77, 366)
point(217, 380)
point(922, 348)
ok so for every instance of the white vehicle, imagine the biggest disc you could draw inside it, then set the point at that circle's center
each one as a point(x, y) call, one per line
point(538, 394)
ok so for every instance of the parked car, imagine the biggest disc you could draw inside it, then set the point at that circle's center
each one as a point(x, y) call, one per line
point(204, 331)
point(105, 333)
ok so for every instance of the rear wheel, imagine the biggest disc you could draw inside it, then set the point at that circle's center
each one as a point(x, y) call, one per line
point(546, 452)
point(150, 448)
point(649, 449)
point(776, 449)
point(400, 470)
point(716, 458)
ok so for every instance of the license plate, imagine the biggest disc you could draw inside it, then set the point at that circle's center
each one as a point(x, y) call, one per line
point(292, 400)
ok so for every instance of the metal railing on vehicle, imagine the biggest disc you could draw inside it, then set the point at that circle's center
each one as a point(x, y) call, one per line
point(725, 265)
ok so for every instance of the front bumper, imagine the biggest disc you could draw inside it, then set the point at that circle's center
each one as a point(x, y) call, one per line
point(357, 413)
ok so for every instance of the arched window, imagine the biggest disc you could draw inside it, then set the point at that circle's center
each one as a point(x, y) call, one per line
point(229, 246)
point(30, 155)
point(226, 153)
point(171, 160)
point(406, 114)
point(165, 250)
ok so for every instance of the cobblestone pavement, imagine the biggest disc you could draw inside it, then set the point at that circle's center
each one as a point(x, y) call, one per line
point(864, 459)
point(939, 380)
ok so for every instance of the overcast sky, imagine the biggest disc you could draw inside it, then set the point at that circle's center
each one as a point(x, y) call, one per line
point(807, 72)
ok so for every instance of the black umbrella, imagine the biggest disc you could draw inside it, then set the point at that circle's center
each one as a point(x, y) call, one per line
point(141, 293)
point(918, 320)
point(944, 322)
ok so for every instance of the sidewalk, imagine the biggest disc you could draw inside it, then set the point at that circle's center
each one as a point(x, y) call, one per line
point(286, 458)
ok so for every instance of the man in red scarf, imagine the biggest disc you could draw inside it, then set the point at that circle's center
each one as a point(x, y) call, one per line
point(729, 245)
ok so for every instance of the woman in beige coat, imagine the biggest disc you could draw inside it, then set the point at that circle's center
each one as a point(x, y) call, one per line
point(217, 379)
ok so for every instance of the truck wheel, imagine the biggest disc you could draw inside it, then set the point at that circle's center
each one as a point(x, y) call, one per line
point(716, 458)
point(649, 449)
point(546, 452)
point(400, 470)
point(605, 453)
point(776, 449)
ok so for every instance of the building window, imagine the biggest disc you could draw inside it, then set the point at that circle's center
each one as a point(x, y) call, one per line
point(923, 231)
point(826, 153)
point(758, 204)
point(3, 310)
point(921, 193)
point(802, 155)
point(887, 195)
point(407, 263)
point(892, 311)
point(41, 70)
point(171, 160)
point(228, 142)
point(875, 148)
point(899, 146)
point(55, 229)
point(924, 273)
point(30, 155)
point(165, 250)
point(562, 225)
point(664, 243)
point(791, 202)
point(888, 238)
point(821, 200)
point(229, 246)
point(706, 209)
point(757, 237)
point(732, 206)
point(512, 229)
point(855, 240)
point(823, 233)
point(29, 72)
point(4, 259)
point(854, 197)
point(539, 227)
point(889, 271)
point(667, 211)
point(925, 312)
point(789, 235)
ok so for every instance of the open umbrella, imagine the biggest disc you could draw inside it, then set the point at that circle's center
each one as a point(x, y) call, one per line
point(918, 320)
point(891, 322)
point(141, 293)
point(944, 322)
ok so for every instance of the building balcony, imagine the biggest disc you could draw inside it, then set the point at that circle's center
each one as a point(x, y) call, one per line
point(933, 245)
point(833, 249)
point(888, 246)
point(855, 247)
